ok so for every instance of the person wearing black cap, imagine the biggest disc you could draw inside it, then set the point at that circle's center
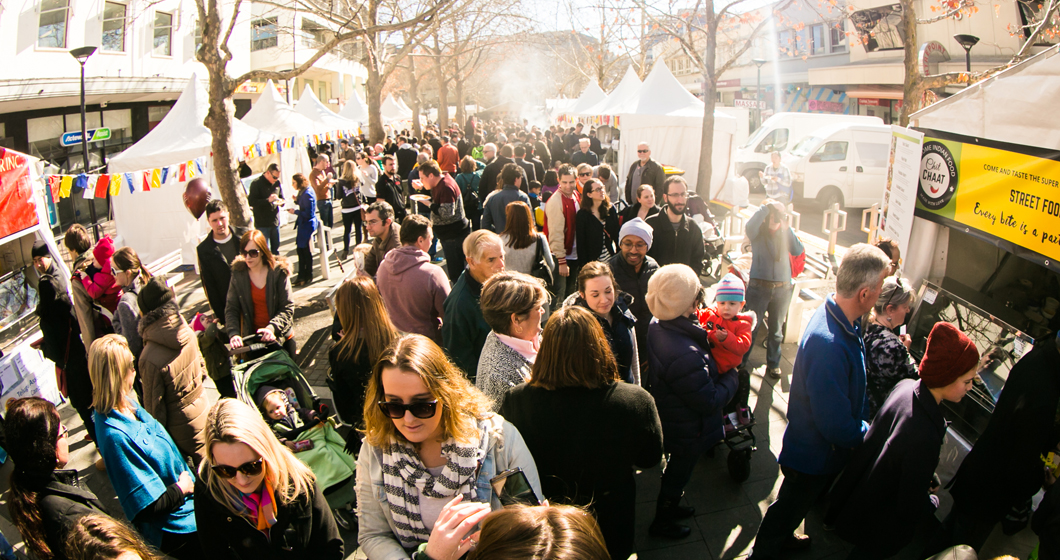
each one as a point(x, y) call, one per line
point(885, 490)
point(171, 369)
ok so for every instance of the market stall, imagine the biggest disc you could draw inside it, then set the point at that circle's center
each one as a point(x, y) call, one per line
point(24, 371)
point(272, 115)
point(984, 240)
point(325, 119)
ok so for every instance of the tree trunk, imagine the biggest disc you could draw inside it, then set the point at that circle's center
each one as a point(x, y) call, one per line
point(443, 89)
point(912, 72)
point(225, 168)
point(374, 93)
point(461, 113)
point(414, 97)
point(706, 139)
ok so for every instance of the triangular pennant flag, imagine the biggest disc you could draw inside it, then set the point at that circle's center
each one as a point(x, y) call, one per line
point(53, 186)
point(115, 184)
point(66, 182)
point(130, 183)
point(101, 186)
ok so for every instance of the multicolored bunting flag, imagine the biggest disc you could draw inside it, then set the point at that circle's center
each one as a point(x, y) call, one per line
point(115, 184)
point(191, 170)
point(199, 169)
point(145, 181)
point(165, 175)
point(65, 184)
point(130, 183)
point(101, 186)
point(53, 186)
point(183, 173)
point(156, 179)
point(90, 187)
point(80, 182)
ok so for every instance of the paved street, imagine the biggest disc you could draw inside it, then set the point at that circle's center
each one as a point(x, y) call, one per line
point(727, 513)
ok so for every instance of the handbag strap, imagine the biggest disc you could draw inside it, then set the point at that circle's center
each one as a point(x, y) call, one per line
point(537, 247)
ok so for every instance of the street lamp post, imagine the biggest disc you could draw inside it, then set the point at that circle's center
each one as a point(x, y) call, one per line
point(758, 92)
point(82, 54)
point(967, 41)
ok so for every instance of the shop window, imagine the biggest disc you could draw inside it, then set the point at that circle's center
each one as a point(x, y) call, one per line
point(786, 42)
point(817, 39)
point(775, 141)
point(163, 43)
point(51, 31)
point(837, 38)
point(322, 94)
point(264, 34)
point(313, 34)
point(197, 36)
point(873, 154)
point(831, 151)
point(113, 27)
point(880, 29)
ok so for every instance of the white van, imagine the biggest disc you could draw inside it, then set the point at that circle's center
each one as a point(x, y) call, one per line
point(780, 132)
point(844, 163)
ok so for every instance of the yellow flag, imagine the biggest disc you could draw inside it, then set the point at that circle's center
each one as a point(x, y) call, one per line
point(115, 184)
point(156, 178)
point(64, 186)
point(191, 170)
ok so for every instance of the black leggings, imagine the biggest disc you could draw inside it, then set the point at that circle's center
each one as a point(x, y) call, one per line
point(305, 263)
point(351, 219)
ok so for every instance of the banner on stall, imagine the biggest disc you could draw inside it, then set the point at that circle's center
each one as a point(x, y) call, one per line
point(899, 196)
point(1007, 194)
point(16, 194)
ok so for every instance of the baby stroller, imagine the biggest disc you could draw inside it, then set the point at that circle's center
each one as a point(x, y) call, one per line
point(741, 443)
point(333, 466)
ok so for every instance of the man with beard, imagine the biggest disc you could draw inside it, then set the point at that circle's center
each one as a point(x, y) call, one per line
point(677, 239)
point(388, 188)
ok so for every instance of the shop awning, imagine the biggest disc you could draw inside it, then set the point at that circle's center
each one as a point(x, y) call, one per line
point(875, 92)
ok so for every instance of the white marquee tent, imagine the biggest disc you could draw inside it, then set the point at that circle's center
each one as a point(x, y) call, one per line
point(589, 97)
point(355, 109)
point(179, 137)
point(391, 111)
point(670, 119)
point(401, 103)
point(326, 120)
point(627, 88)
point(273, 115)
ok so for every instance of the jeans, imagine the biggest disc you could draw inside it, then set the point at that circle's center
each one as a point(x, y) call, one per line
point(771, 302)
point(797, 494)
point(676, 476)
point(453, 248)
point(273, 235)
point(351, 220)
point(327, 212)
point(565, 286)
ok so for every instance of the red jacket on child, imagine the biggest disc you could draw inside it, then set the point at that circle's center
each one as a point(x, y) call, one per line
point(727, 353)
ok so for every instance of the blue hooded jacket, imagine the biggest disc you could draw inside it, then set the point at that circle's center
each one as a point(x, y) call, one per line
point(827, 405)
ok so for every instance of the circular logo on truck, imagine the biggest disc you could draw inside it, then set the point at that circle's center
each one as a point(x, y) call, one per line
point(938, 176)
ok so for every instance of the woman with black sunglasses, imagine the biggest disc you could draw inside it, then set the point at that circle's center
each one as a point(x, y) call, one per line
point(432, 442)
point(256, 500)
point(153, 483)
point(259, 295)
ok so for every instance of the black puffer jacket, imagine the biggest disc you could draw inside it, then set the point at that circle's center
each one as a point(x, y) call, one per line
point(636, 285)
point(685, 246)
point(688, 390)
point(304, 528)
point(63, 501)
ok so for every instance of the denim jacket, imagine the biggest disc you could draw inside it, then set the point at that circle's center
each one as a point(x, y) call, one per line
point(507, 450)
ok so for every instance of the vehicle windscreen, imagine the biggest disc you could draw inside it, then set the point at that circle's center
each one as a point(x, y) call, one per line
point(805, 146)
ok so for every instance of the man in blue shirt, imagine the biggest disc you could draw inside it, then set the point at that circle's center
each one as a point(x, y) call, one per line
point(826, 408)
point(773, 243)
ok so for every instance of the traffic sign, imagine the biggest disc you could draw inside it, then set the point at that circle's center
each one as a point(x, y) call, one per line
point(94, 135)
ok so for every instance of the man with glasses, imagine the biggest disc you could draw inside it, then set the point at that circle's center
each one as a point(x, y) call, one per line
point(632, 268)
point(645, 171)
point(265, 199)
point(677, 239)
point(379, 221)
point(583, 155)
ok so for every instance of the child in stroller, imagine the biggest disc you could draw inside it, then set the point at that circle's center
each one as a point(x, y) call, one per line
point(286, 421)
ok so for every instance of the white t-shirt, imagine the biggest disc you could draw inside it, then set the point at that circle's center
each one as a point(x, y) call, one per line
point(431, 508)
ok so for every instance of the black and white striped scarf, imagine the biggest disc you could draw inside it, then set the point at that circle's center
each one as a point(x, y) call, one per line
point(405, 479)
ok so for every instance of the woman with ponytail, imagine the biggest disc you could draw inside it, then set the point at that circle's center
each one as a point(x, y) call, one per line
point(130, 274)
point(256, 499)
point(44, 501)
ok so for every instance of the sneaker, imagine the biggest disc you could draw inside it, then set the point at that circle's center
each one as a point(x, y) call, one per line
point(743, 416)
point(774, 372)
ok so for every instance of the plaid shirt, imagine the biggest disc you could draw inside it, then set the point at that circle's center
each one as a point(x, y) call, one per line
point(777, 181)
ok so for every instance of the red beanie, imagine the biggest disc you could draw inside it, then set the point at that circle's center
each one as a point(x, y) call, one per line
point(949, 355)
point(103, 250)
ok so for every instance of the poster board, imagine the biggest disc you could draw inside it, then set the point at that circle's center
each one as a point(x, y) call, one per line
point(25, 372)
point(1006, 194)
point(16, 193)
point(899, 197)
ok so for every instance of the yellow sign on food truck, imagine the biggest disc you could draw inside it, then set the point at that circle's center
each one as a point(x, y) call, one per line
point(1005, 193)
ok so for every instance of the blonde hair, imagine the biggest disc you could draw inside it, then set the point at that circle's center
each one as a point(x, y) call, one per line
point(462, 404)
point(109, 362)
point(542, 533)
point(232, 421)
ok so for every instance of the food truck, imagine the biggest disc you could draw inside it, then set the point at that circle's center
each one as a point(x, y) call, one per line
point(981, 246)
point(24, 222)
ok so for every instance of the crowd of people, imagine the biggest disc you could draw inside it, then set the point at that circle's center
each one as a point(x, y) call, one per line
point(568, 341)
